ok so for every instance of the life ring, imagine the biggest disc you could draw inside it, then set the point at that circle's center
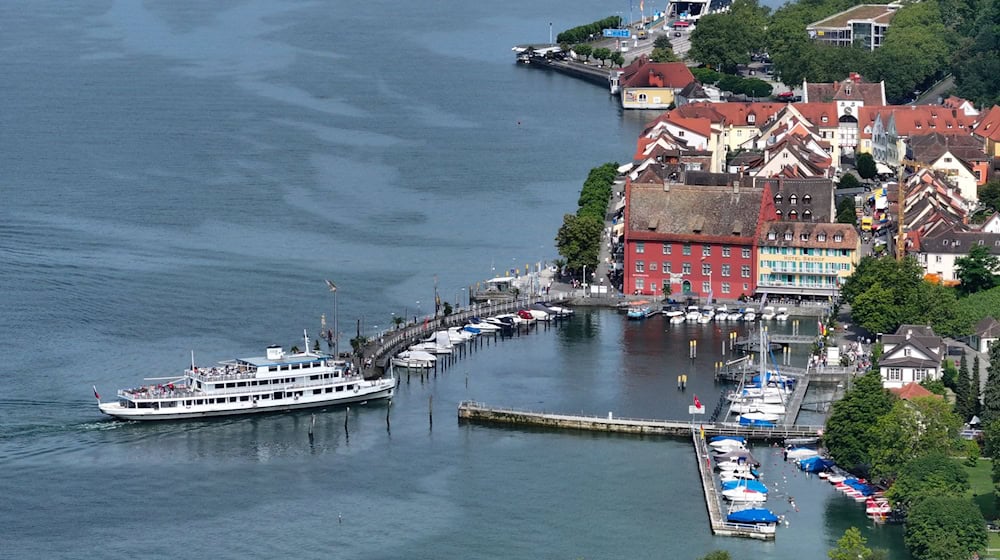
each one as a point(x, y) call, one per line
point(357, 388)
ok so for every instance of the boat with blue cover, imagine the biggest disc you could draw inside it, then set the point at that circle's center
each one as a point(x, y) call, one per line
point(763, 520)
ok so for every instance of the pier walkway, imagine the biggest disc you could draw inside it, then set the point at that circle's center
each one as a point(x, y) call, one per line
point(713, 501)
point(478, 412)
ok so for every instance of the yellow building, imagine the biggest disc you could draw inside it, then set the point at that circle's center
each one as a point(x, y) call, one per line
point(811, 260)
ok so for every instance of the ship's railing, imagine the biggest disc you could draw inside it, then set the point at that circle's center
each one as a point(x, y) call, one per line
point(155, 393)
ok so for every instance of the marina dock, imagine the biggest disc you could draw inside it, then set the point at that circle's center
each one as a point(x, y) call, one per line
point(471, 411)
point(713, 501)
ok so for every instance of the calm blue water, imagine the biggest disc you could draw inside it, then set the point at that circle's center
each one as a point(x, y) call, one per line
point(183, 176)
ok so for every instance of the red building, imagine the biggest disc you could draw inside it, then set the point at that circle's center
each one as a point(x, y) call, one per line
point(692, 239)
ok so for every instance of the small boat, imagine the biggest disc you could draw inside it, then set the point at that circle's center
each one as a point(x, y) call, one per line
point(782, 314)
point(798, 453)
point(275, 382)
point(836, 478)
point(767, 314)
point(760, 419)
point(673, 313)
point(693, 313)
point(744, 490)
point(875, 506)
point(764, 520)
point(485, 327)
point(540, 315)
point(554, 309)
point(726, 442)
point(526, 316)
point(414, 359)
point(707, 315)
point(749, 315)
point(639, 310)
point(431, 348)
point(737, 474)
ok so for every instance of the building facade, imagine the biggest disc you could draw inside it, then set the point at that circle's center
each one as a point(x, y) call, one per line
point(808, 260)
point(863, 26)
point(912, 355)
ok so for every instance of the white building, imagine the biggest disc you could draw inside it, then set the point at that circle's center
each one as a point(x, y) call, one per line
point(913, 354)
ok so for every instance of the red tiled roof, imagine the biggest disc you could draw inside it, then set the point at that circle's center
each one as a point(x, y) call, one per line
point(675, 75)
point(815, 111)
point(989, 125)
point(916, 119)
point(732, 113)
point(912, 390)
point(702, 126)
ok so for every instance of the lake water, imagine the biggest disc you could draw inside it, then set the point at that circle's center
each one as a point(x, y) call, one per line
point(184, 175)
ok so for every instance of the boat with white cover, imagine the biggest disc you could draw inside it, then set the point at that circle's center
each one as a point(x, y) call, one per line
point(276, 382)
point(693, 313)
point(782, 314)
point(414, 359)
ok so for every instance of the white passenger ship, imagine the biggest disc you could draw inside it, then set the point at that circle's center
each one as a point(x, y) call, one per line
point(276, 382)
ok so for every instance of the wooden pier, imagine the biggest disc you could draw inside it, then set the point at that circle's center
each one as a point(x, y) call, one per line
point(713, 501)
point(478, 412)
point(795, 403)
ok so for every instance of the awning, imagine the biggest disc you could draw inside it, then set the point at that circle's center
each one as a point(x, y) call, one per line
point(882, 169)
point(625, 168)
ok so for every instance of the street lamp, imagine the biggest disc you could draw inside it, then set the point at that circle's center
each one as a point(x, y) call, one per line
point(336, 326)
point(419, 313)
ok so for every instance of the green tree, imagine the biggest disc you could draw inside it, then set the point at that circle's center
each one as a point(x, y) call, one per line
point(398, 321)
point(663, 42)
point(962, 386)
point(358, 343)
point(725, 40)
point(578, 240)
point(989, 195)
point(851, 546)
point(846, 213)
point(991, 392)
point(928, 476)
point(717, 555)
point(617, 59)
point(850, 431)
point(945, 528)
point(866, 165)
point(977, 271)
point(913, 52)
point(911, 429)
point(602, 54)
point(583, 50)
point(977, 63)
point(662, 55)
point(848, 181)
point(975, 387)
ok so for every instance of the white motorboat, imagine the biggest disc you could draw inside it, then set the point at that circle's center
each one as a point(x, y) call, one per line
point(673, 313)
point(750, 315)
point(276, 382)
point(763, 419)
point(431, 348)
point(796, 453)
point(707, 315)
point(767, 314)
point(736, 474)
point(458, 335)
point(734, 315)
point(693, 313)
point(756, 405)
point(513, 318)
point(485, 327)
point(539, 315)
point(414, 359)
point(782, 314)
point(721, 313)
point(744, 494)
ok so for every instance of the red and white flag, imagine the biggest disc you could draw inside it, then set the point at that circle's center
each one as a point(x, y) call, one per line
point(96, 396)
point(822, 327)
point(697, 403)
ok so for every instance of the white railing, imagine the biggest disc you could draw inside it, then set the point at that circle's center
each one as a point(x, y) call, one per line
point(160, 394)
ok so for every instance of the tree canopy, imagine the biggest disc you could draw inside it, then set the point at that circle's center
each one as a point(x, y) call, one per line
point(846, 213)
point(850, 431)
point(579, 239)
point(726, 40)
point(866, 166)
point(977, 271)
point(589, 31)
point(911, 429)
point(928, 476)
point(945, 528)
point(991, 392)
point(989, 195)
point(851, 546)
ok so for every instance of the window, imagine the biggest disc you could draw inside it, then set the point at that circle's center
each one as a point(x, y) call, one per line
point(803, 237)
point(687, 249)
point(640, 266)
point(751, 118)
point(838, 237)
point(706, 269)
point(777, 198)
point(807, 215)
point(686, 268)
point(725, 270)
point(640, 284)
point(919, 374)
point(821, 237)
point(642, 98)
point(793, 200)
point(771, 236)
point(895, 374)
point(746, 252)
point(706, 250)
point(788, 235)
point(667, 248)
point(725, 251)
point(640, 248)
point(906, 351)
point(746, 286)
point(745, 271)
point(937, 258)
point(665, 267)
point(777, 213)
point(706, 287)
point(652, 267)
point(725, 287)
point(793, 215)
point(806, 199)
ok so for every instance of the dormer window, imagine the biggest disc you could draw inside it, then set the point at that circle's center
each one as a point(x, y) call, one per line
point(793, 199)
point(806, 199)
point(824, 118)
point(777, 198)
point(803, 237)
point(778, 213)
point(771, 236)
point(918, 125)
point(788, 236)
point(838, 238)
point(847, 90)
point(821, 237)
point(793, 215)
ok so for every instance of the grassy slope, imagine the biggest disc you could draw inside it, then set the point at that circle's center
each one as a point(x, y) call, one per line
point(981, 492)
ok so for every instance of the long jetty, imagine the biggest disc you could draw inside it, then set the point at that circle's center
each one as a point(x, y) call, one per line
point(471, 411)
